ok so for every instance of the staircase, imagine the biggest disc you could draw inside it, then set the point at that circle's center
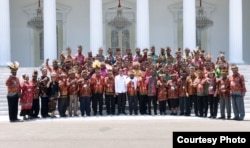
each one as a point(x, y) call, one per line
point(5, 72)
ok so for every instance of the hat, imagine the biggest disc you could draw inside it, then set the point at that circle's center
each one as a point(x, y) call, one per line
point(96, 64)
point(13, 65)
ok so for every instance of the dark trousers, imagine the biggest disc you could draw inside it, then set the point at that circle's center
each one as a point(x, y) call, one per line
point(162, 107)
point(35, 107)
point(110, 104)
point(133, 104)
point(85, 105)
point(154, 100)
point(13, 107)
point(97, 100)
point(44, 106)
point(121, 102)
point(194, 104)
point(63, 103)
point(213, 105)
point(203, 105)
point(182, 101)
point(143, 104)
point(187, 103)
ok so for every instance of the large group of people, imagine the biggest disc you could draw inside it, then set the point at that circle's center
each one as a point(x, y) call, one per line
point(169, 83)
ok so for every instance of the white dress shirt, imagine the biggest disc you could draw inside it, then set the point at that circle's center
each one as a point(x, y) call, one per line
point(120, 84)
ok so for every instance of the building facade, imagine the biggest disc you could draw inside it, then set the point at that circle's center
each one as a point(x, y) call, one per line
point(158, 23)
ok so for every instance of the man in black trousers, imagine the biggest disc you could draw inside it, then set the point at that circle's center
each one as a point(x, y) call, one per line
point(14, 91)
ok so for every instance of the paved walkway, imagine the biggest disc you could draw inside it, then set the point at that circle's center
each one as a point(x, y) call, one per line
point(108, 131)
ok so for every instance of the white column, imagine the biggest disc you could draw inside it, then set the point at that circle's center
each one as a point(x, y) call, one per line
point(142, 24)
point(189, 26)
point(5, 32)
point(50, 40)
point(235, 32)
point(96, 26)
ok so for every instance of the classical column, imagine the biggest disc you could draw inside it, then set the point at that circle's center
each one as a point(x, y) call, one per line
point(235, 32)
point(50, 40)
point(5, 32)
point(142, 24)
point(96, 26)
point(189, 26)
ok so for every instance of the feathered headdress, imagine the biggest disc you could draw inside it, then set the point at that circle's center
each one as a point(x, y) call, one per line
point(96, 64)
point(13, 65)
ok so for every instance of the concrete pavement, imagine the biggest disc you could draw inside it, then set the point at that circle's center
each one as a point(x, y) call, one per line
point(108, 131)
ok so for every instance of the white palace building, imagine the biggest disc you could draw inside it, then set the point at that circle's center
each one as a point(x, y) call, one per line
point(159, 23)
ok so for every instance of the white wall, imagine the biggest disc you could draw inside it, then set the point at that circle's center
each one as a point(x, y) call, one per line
point(78, 24)
point(246, 31)
point(161, 23)
point(20, 45)
point(220, 30)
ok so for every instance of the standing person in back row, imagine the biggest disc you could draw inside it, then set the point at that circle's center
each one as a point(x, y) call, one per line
point(14, 90)
point(237, 90)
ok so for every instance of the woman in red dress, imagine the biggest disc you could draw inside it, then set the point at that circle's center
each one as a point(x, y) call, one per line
point(26, 98)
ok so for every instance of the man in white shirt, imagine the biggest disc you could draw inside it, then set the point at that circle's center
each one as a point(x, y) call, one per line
point(120, 90)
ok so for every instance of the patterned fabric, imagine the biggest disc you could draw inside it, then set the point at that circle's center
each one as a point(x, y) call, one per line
point(142, 85)
point(97, 84)
point(200, 86)
point(26, 98)
point(13, 85)
point(172, 89)
point(72, 86)
point(162, 90)
point(237, 84)
point(63, 88)
point(224, 88)
point(79, 58)
point(189, 85)
point(84, 88)
point(36, 89)
point(151, 82)
point(181, 87)
point(131, 88)
point(109, 86)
